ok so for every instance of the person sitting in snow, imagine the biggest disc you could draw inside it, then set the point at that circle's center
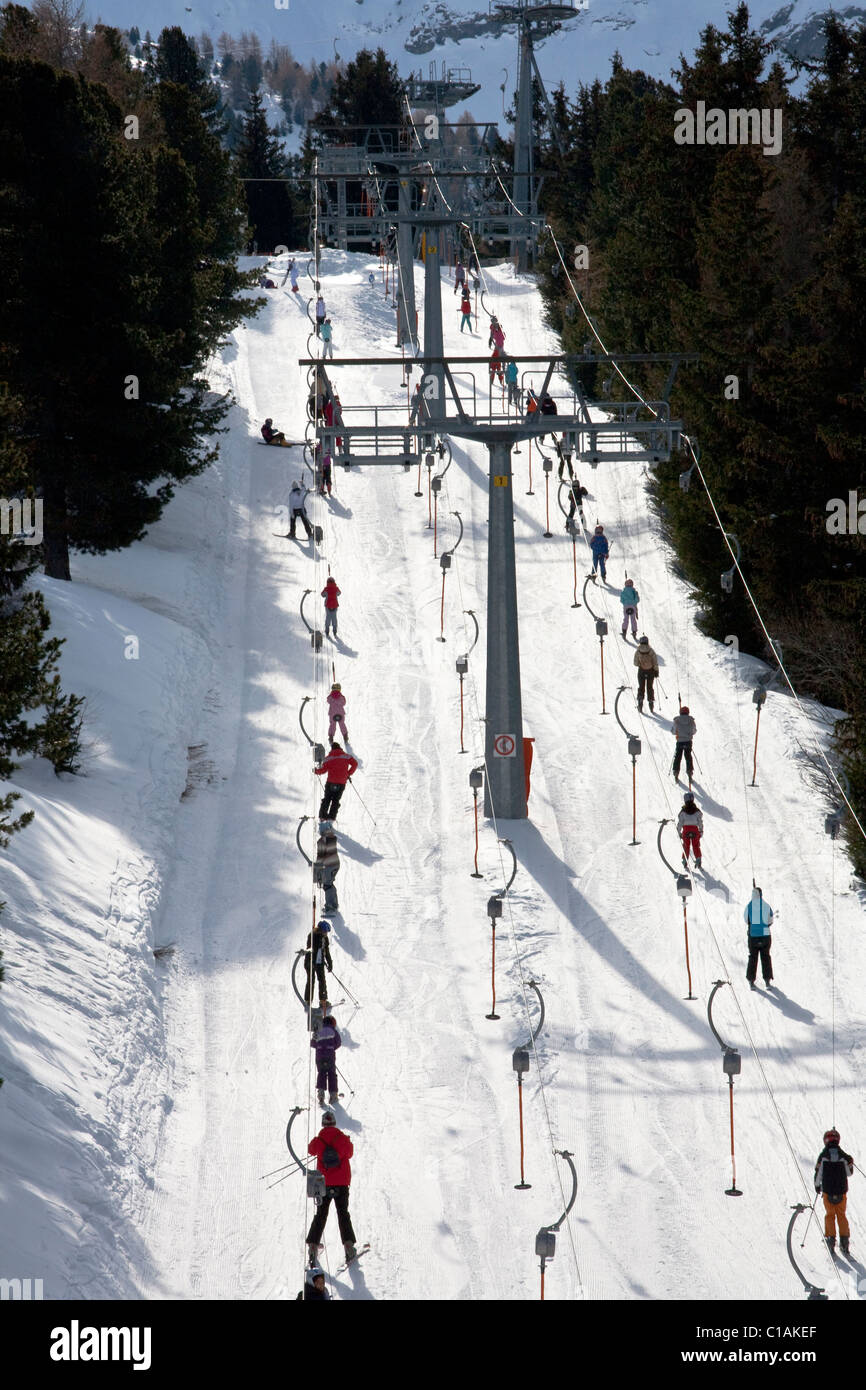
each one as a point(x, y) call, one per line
point(270, 435)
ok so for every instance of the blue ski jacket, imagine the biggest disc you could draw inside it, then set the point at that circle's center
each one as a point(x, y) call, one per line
point(598, 545)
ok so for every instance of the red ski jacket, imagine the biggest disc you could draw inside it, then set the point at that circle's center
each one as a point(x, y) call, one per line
point(339, 768)
point(329, 594)
point(342, 1175)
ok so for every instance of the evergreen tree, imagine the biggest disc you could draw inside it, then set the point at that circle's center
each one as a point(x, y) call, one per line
point(104, 361)
point(368, 92)
point(261, 163)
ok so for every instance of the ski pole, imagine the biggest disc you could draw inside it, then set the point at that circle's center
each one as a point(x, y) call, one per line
point(362, 801)
point(344, 986)
point(811, 1211)
point(341, 1074)
point(661, 687)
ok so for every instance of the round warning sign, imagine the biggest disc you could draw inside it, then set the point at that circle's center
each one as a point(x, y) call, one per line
point(504, 746)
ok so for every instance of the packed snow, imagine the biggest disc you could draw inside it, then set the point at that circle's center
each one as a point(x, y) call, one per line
point(145, 1098)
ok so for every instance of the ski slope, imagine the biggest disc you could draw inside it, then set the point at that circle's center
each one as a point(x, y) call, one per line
point(626, 1075)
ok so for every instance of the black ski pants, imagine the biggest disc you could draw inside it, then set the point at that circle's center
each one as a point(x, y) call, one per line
point(646, 686)
point(331, 800)
point(319, 972)
point(340, 1197)
point(304, 518)
point(760, 946)
point(683, 748)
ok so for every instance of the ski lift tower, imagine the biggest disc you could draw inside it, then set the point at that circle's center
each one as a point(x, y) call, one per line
point(534, 22)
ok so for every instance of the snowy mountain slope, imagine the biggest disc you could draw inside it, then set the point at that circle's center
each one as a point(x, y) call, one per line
point(632, 1079)
point(649, 34)
point(626, 1076)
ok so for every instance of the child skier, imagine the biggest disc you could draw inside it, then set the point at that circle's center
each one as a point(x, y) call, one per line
point(326, 333)
point(497, 336)
point(317, 960)
point(684, 730)
point(629, 598)
point(466, 311)
point(331, 595)
point(575, 495)
point(320, 315)
point(326, 1040)
point(337, 711)
point(511, 383)
point(293, 276)
point(326, 475)
point(690, 824)
point(600, 551)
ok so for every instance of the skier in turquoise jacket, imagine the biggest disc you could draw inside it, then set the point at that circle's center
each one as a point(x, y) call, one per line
point(629, 598)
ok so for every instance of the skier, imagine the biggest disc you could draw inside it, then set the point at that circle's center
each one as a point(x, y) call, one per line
point(331, 594)
point(327, 865)
point(337, 711)
point(326, 476)
point(832, 1171)
point(466, 311)
point(548, 407)
point(629, 598)
point(496, 367)
point(600, 551)
point(759, 917)
point(460, 276)
point(337, 768)
point(293, 276)
point(297, 508)
point(371, 278)
point(647, 664)
point(332, 1149)
point(317, 960)
point(511, 383)
point(497, 336)
point(690, 824)
point(314, 1286)
point(684, 730)
point(326, 334)
point(270, 435)
point(564, 460)
point(575, 495)
point(326, 1039)
point(320, 314)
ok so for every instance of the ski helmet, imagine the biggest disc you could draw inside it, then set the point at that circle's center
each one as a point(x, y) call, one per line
point(270, 420)
point(599, 530)
point(684, 709)
point(336, 686)
point(644, 642)
point(314, 1273)
point(336, 746)
point(328, 1118)
point(688, 798)
point(324, 926)
point(832, 1136)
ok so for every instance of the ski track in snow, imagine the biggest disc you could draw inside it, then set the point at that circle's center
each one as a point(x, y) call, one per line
point(202, 1077)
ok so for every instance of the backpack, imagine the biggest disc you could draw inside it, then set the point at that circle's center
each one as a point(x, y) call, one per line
point(330, 1158)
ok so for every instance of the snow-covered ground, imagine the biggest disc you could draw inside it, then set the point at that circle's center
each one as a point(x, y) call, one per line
point(145, 1099)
